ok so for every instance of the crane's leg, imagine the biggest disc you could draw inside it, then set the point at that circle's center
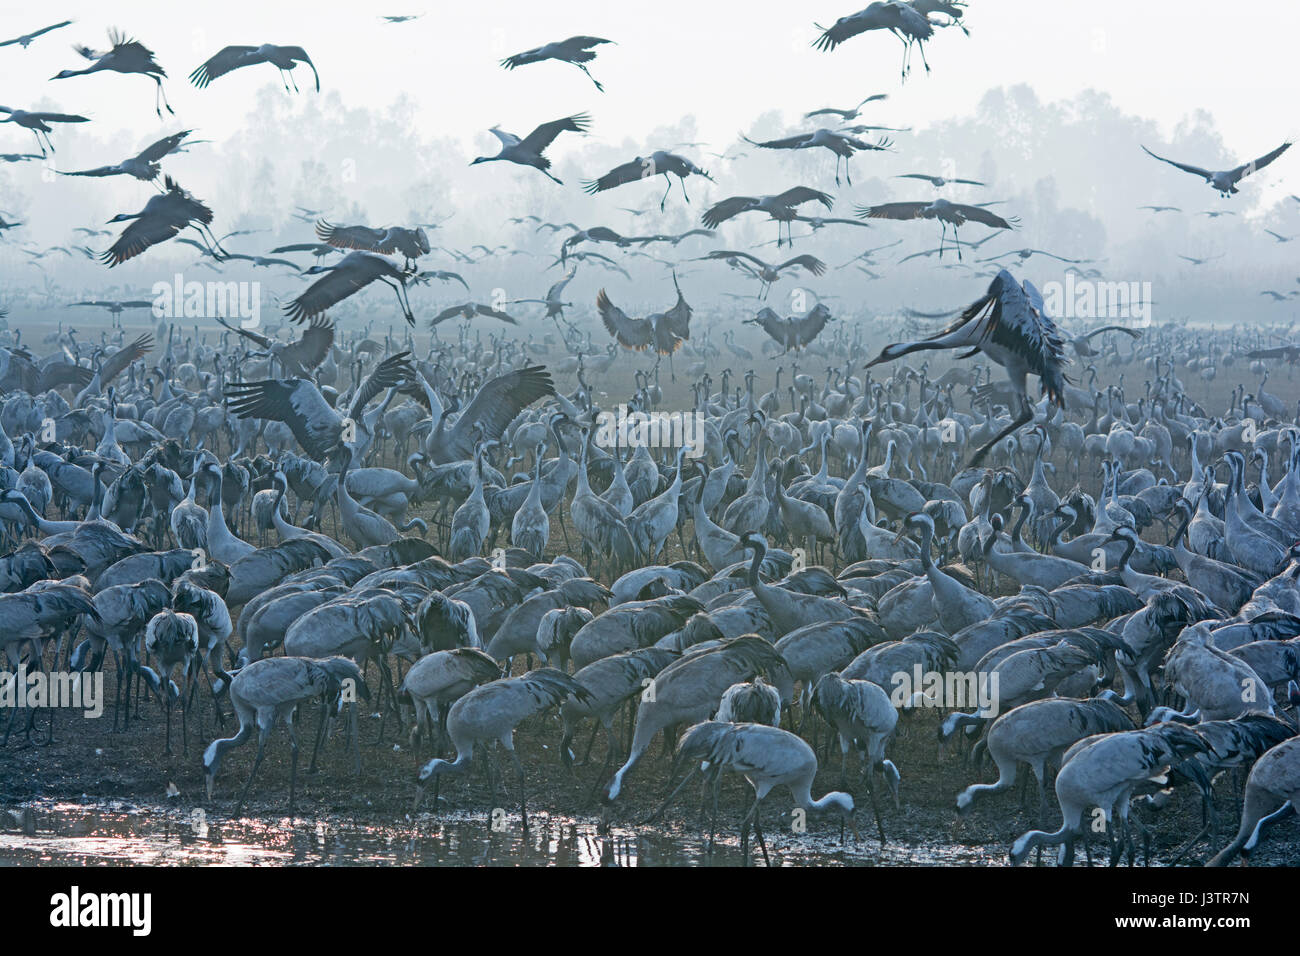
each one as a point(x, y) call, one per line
point(160, 92)
point(1024, 418)
point(583, 68)
point(750, 817)
point(320, 734)
point(666, 192)
point(758, 832)
point(920, 45)
point(293, 759)
point(263, 732)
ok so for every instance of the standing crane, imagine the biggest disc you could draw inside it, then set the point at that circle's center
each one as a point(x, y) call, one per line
point(767, 757)
point(491, 712)
point(269, 690)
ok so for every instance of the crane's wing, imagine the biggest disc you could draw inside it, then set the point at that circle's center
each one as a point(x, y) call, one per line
point(392, 372)
point(629, 172)
point(450, 312)
point(845, 28)
point(720, 212)
point(164, 146)
point(351, 237)
point(97, 171)
point(631, 333)
point(1132, 333)
point(495, 314)
point(1282, 351)
point(261, 341)
point(810, 326)
point(725, 254)
point(34, 34)
point(442, 276)
point(60, 118)
point(496, 404)
point(299, 54)
point(578, 49)
point(120, 360)
point(544, 135)
point(984, 217)
point(892, 210)
point(1012, 315)
point(772, 324)
point(140, 235)
point(1185, 167)
point(679, 316)
point(331, 289)
point(523, 59)
point(798, 141)
point(829, 111)
point(811, 263)
point(227, 59)
point(1247, 168)
point(315, 343)
point(294, 401)
point(802, 194)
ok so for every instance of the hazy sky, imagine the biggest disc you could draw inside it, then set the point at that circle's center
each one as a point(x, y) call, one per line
point(723, 61)
point(727, 66)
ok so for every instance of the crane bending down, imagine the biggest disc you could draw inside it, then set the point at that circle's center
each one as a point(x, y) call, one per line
point(271, 689)
point(1010, 325)
point(768, 757)
point(491, 712)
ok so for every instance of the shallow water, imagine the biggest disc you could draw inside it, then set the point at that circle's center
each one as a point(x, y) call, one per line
point(116, 834)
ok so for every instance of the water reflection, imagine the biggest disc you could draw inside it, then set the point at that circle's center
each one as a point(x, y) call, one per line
point(116, 834)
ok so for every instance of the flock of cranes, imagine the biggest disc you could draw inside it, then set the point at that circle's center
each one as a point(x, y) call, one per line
point(254, 526)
